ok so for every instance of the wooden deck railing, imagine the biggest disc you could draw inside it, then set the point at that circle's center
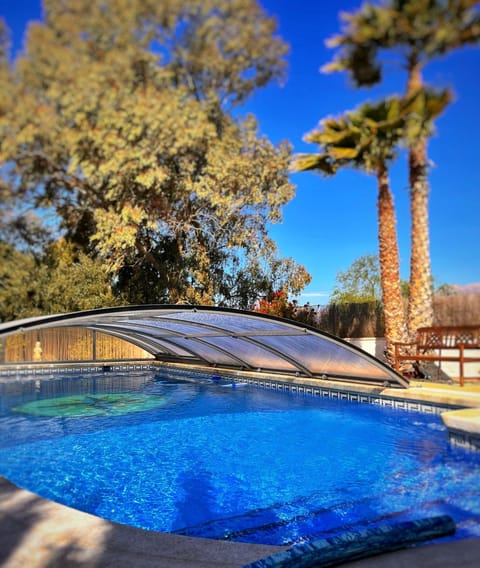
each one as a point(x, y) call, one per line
point(432, 342)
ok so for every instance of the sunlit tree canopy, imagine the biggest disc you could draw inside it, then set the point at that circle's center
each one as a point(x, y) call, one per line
point(124, 120)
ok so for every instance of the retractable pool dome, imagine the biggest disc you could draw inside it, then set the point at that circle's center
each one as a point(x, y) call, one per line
point(226, 338)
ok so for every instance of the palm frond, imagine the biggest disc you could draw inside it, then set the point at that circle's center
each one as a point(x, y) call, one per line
point(308, 162)
point(339, 153)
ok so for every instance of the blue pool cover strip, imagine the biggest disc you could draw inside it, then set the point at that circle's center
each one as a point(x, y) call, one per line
point(351, 546)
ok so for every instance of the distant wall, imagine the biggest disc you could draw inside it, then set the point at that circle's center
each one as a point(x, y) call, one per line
point(373, 345)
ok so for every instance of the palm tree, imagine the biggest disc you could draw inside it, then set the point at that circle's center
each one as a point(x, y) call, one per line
point(425, 107)
point(366, 139)
point(420, 30)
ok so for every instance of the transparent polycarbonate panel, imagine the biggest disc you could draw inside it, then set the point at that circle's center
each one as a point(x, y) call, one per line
point(254, 355)
point(157, 325)
point(171, 348)
point(230, 322)
point(206, 352)
point(148, 342)
point(321, 355)
point(140, 328)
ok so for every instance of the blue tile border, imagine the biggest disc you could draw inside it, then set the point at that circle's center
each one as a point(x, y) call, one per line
point(462, 439)
point(321, 391)
point(260, 382)
point(23, 371)
point(333, 393)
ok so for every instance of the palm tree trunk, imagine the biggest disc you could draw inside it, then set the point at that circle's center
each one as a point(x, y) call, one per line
point(394, 313)
point(420, 300)
point(420, 304)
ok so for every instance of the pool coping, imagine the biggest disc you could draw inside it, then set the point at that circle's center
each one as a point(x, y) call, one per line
point(38, 532)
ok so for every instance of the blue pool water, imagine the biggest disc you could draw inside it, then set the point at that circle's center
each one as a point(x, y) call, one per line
point(204, 458)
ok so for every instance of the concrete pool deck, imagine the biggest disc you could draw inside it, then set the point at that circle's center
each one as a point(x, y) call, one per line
point(38, 533)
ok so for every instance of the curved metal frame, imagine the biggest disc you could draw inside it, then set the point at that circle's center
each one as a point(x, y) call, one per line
point(114, 321)
point(164, 339)
point(221, 332)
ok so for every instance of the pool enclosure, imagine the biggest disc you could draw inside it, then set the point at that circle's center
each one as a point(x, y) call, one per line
point(219, 338)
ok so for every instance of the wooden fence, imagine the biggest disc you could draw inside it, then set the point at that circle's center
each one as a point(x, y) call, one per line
point(366, 319)
point(67, 344)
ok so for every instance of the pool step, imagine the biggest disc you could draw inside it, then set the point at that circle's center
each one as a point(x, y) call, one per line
point(287, 524)
point(295, 518)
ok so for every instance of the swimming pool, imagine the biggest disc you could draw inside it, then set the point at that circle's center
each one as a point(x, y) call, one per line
point(206, 457)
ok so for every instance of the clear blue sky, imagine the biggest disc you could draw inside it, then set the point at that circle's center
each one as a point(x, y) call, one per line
point(331, 222)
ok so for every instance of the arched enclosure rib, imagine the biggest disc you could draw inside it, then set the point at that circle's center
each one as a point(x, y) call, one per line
point(222, 337)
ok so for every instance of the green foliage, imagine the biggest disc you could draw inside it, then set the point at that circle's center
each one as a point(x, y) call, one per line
point(421, 109)
point(17, 284)
point(361, 282)
point(63, 281)
point(122, 123)
point(70, 281)
point(445, 290)
point(367, 137)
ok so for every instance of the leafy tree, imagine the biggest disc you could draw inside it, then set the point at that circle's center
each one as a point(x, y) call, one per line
point(65, 280)
point(126, 124)
point(276, 304)
point(70, 281)
point(261, 278)
point(17, 283)
point(361, 282)
point(446, 290)
point(417, 31)
point(18, 223)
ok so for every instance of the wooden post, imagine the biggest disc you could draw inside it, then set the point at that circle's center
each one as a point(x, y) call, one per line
point(462, 353)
